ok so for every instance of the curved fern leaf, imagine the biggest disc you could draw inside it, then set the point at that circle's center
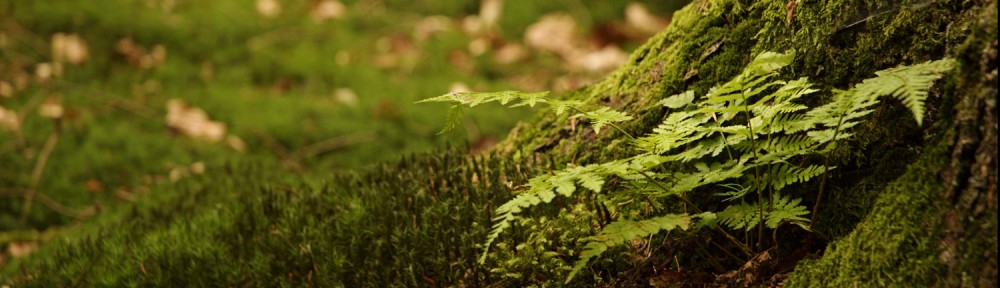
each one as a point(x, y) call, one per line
point(621, 231)
point(786, 210)
point(604, 116)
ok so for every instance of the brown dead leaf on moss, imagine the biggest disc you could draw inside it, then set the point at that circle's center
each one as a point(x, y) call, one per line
point(328, 10)
point(70, 48)
point(430, 26)
point(193, 122)
point(555, 33)
point(9, 120)
point(268, 8)
point(18, 249)
point(510, 53)
point(137, 55)
point(638, 17)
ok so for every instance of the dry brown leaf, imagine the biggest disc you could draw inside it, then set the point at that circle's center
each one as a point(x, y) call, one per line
point(51, 109)
point(490, 12)
point(328, 9)
point(18, 249)
point(474, 26)
point(479, 46)
point(569, 83)
point(268, 8)
point(461, 61)
point(6, 89)
point(554, 33)
point(44, 71)
point(530, 82)
point(193, 122)
point(430, 26)
point(597, 61)
point(9, 119)
point(459, 87)
point(510, 53)
point(639, 18)
point(236, 143)
point(69, 48)
point(93, 185)
point(345, 96)
point(136, 54)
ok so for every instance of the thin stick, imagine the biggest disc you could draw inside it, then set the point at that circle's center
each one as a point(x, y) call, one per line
point(36, 174)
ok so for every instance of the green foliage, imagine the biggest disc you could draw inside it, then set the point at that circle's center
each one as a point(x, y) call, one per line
point(619, 232)
point(742, 136)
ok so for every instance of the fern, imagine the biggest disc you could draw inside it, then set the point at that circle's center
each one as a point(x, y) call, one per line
point(786, 210)
point(746, 216)
point(603, 116)
point(740, 136)
point(621, 231)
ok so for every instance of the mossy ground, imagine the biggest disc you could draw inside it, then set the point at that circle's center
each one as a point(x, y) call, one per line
point(272, 81)
point(418, 221)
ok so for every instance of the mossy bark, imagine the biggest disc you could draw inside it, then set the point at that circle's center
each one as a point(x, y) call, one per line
point(912, 205)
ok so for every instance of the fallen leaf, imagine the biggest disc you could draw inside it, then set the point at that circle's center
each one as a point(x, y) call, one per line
point(18, 249)
point(193, 122)
point(568, 83)
point(93, 185)
point(430, 26)
point(598, 61)
point(554, 33)
point(345, 96)
point(69, 48)
point(510, 53)
point(461, 61)
point(44, 71)
point(639, 18)
point(458, 87)
point(328, 9)
point(197, 167)
point(9, 119)
point(6, 89)
point(136, 54)
point(473, 26)
point(236, 143)
point(479, 46)
point(268, 8)
point(490, 12)
point(51, 109)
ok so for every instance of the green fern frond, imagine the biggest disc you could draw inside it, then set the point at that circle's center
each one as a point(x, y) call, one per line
point(545, 187)
point(561, 106)
point(603, 116)
point(785, 209)
point(455, 114)
point(740, 216)
point(677, 101)
point(909, 84)
point(619, 232)
point(782, 175)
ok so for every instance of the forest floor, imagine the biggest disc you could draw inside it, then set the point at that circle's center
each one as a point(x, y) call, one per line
point(106, 104)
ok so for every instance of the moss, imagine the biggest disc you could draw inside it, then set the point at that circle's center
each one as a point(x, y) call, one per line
point(894, 246)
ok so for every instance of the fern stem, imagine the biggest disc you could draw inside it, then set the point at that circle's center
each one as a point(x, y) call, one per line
point(756, 171)
point(826, 168)
point(739, 244)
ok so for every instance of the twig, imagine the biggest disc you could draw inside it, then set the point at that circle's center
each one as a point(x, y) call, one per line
point(36, 174)
point(332, 144)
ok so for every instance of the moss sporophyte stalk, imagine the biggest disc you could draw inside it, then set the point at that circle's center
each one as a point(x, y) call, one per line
point(750, 143)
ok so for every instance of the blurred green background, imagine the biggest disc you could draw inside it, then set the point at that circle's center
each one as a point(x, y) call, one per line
point(102, 102)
